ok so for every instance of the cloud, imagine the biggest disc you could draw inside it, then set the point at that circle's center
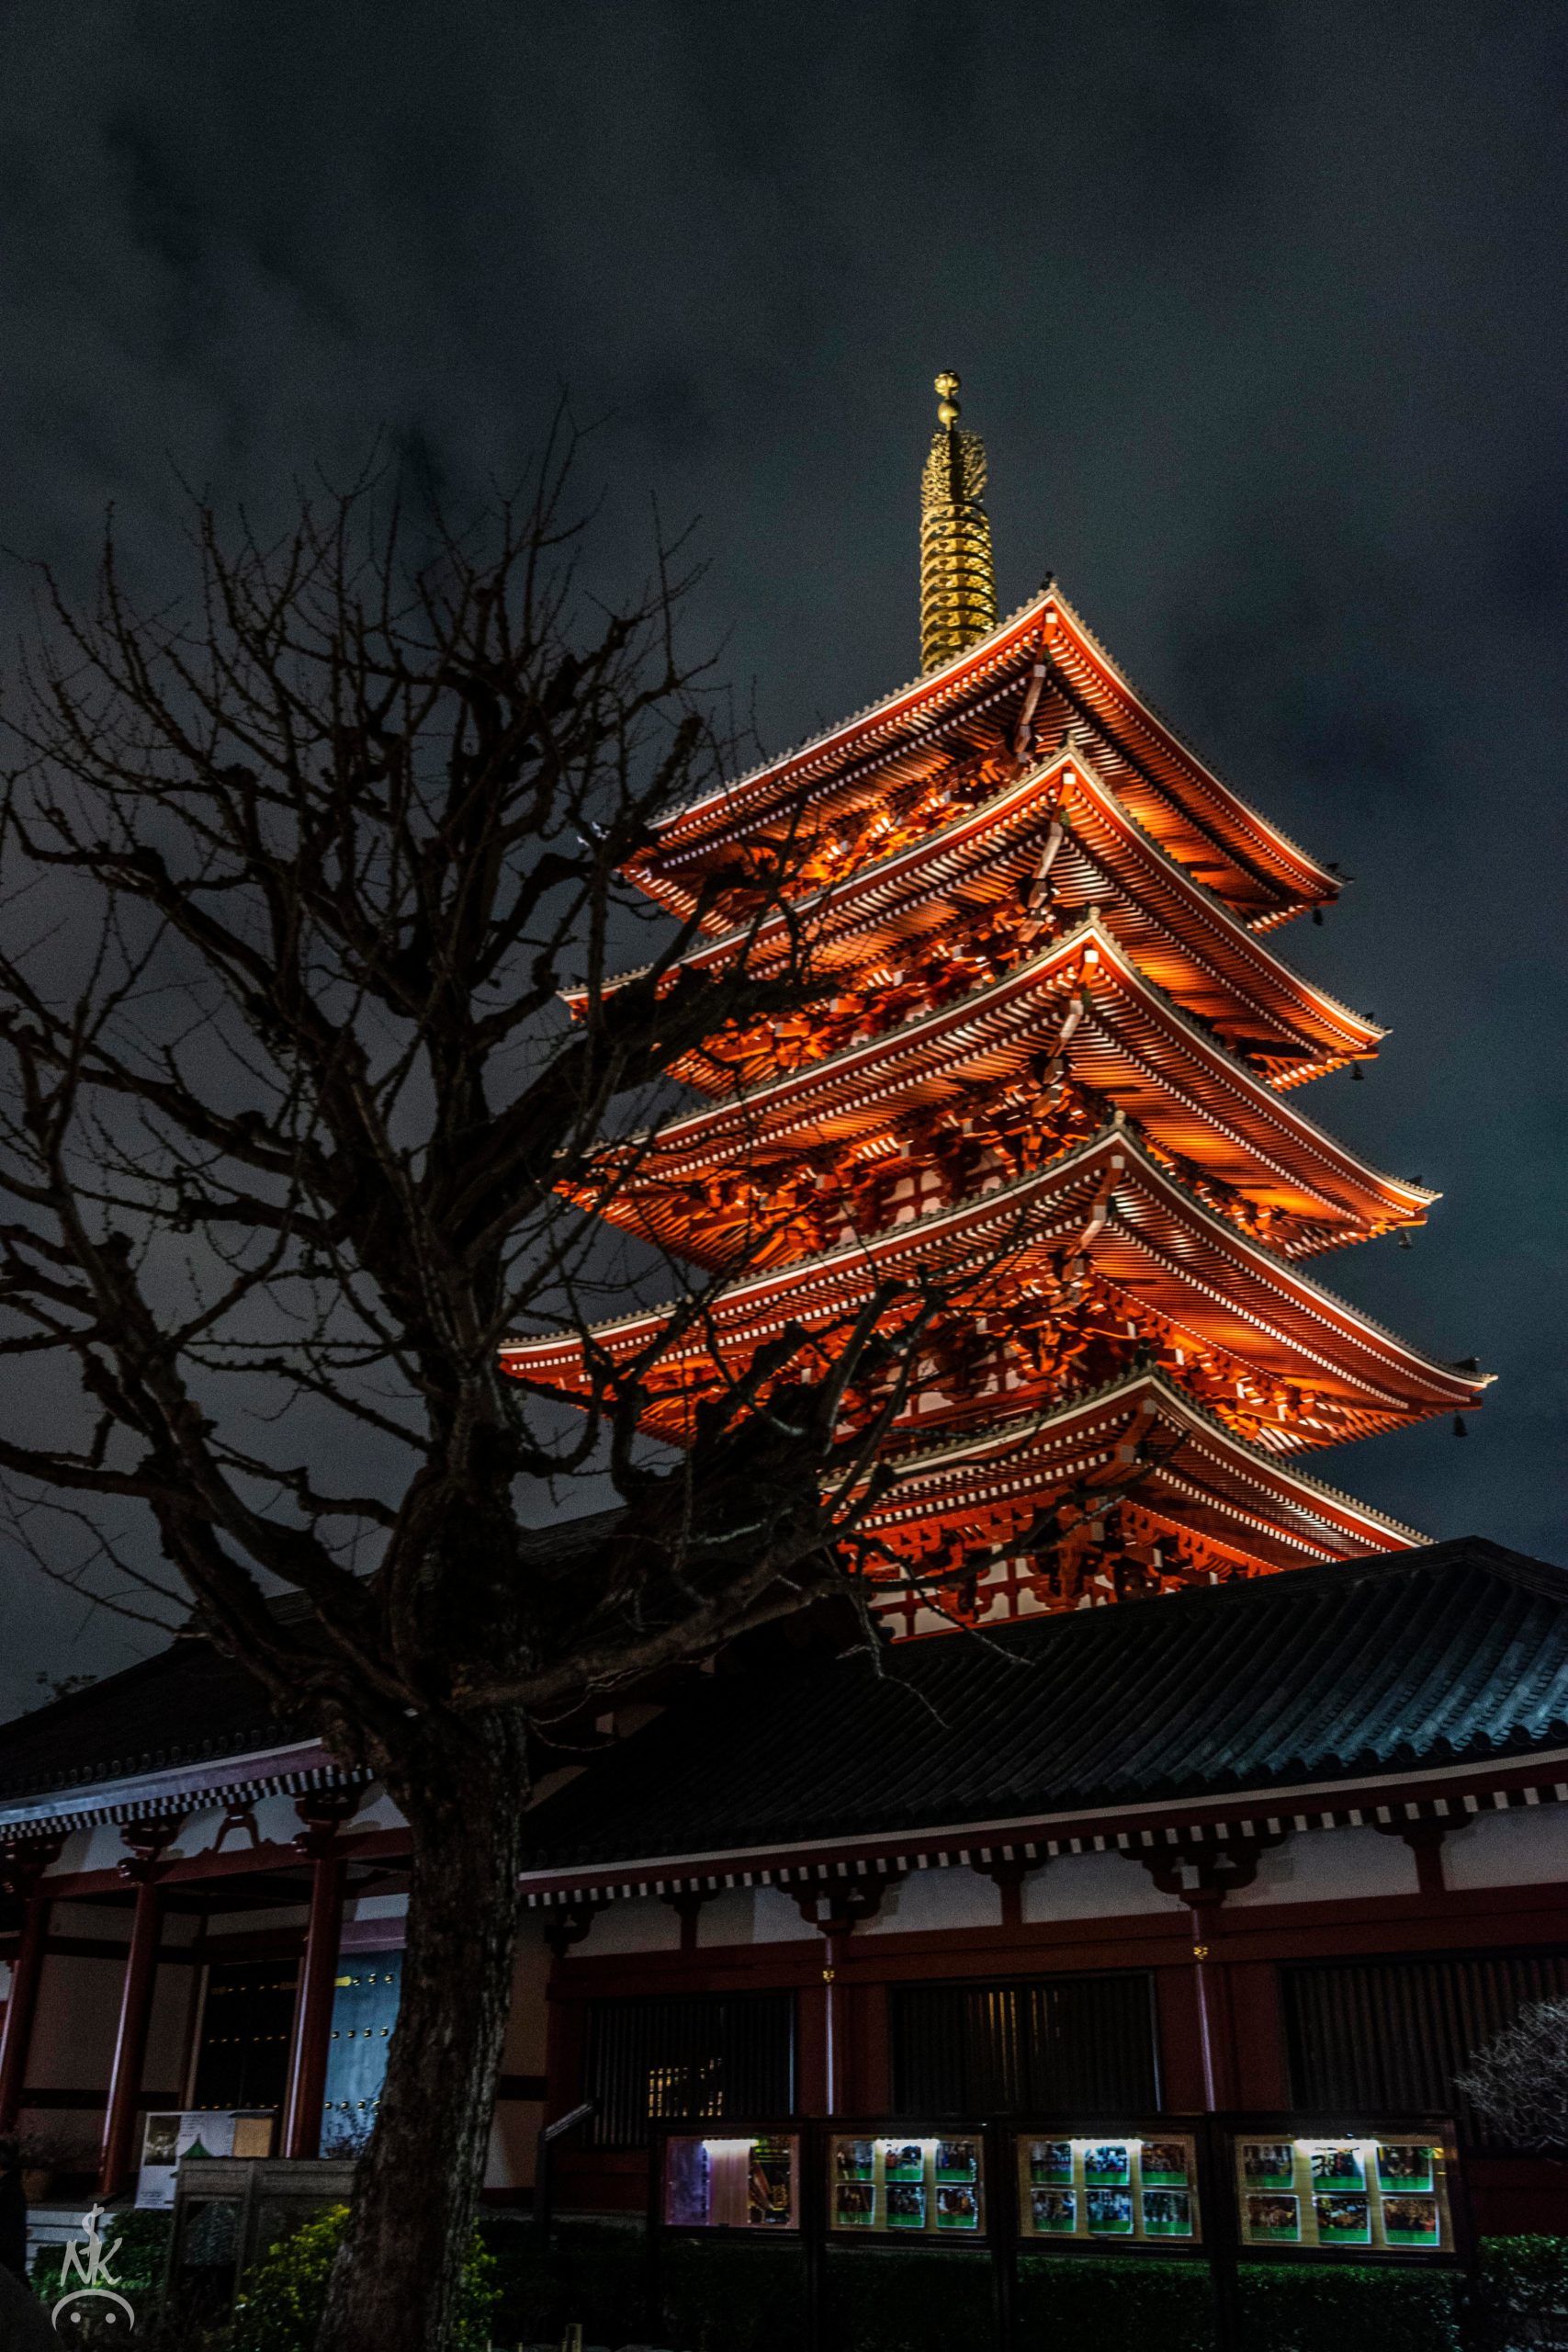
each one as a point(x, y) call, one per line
point(1261, 310)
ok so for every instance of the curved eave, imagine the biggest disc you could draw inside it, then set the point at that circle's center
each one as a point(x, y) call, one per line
point(1212, 805)
point(1138, 1044)
point(1029, 1461)
point(1162, 764)
point(1193, 1268)
point(1156, 881)
point(1202, 952)
point(936, 699)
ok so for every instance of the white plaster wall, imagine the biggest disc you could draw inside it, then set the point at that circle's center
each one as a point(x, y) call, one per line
point(99, 1848)
point(78, 2014)
point(642, 1924)
point(377, 1810)
point(1524, 1848)
point(954, 1898)
point(1330, 1866)
point(72, 1854)
point(1091, 1886)
point(277, 1823)
point(752, 1915)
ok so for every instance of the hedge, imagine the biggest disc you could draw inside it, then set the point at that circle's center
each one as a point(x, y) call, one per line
point(727, 2298)
point(1310, 2307)
point(1082, 2299)
point(908, 2302)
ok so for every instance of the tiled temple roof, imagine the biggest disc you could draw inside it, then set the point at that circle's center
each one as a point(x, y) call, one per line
point(1454, 1654)
point(188, 1705)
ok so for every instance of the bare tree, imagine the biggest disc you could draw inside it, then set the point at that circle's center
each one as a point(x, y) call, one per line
point(294, 1132)
point(1518, 2080)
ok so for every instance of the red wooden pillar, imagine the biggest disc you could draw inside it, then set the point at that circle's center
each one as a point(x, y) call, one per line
point(21, 1868)
point(147, 1840)
point(1202, 1874)
point(130, 2041)
point(1216, 2040)
point(837, 1910)
point(323, 1813)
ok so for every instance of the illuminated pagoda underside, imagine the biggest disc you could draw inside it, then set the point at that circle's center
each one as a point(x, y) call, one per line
point(1045, 1066)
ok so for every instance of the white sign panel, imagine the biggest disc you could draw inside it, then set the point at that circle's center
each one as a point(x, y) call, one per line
point(198, 2132)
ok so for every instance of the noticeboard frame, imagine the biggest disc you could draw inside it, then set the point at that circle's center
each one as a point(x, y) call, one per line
point(798, 2128)
point(1286, 2124)
point(996, 2215)
point(1003, 2240)
point(1018, 2130)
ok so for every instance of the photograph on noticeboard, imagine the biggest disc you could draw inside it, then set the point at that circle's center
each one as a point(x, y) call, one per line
point(1269, 2164)
point(1164, 2164)
point(1051, 2163)
point(1054, 2212)
point(905, 2205)
point(854, 2206)
point(1404, 2164)
point(1168, 2214)
point(1270, 2219)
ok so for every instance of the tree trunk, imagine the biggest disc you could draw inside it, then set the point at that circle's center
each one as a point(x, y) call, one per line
point(396, 2282)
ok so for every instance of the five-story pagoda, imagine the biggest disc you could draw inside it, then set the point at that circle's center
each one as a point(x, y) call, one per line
point(1046, 1067)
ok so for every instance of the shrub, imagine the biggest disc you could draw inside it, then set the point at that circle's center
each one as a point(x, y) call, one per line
point(1082, 2299)
point(1301, 2307)
point(139, 2264)
point(728, 2298)
point(910, 2302)
point(592, 2272)
point(1522, 2292)
point(281, 2300)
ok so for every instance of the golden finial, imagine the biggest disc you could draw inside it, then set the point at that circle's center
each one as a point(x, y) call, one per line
point(958, 589)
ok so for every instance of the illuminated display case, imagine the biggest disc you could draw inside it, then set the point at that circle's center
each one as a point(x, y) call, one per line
point(1130, 2187)
point(907, 2184)
point(1355, 2192)
point(742, 2183)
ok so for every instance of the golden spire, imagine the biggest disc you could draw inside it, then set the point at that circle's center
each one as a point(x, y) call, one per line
point(958, 588)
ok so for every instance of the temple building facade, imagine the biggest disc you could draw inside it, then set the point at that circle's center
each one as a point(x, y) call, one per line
point(1172, 1779)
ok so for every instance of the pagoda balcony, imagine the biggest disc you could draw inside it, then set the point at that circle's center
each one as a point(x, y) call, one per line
point(979, 873)
point(1081, 1007)
point(1108, 1210)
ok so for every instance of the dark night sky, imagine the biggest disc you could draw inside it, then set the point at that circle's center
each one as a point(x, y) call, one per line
point(1261, 306)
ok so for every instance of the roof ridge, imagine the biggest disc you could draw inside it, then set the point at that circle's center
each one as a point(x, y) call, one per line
point(824, 734)
point(1181, 741)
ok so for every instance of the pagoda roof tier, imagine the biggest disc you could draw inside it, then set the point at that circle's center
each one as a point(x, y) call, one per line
point(975, 703)
point(1177, 931)
point(1130, 1042)
point(1212, 1288)
point(1142, 1439)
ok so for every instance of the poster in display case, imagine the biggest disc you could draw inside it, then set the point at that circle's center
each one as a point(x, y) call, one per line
point(1352, 2192)
point(1103, 2188)
point(901, 2184)
point(715, 2183)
